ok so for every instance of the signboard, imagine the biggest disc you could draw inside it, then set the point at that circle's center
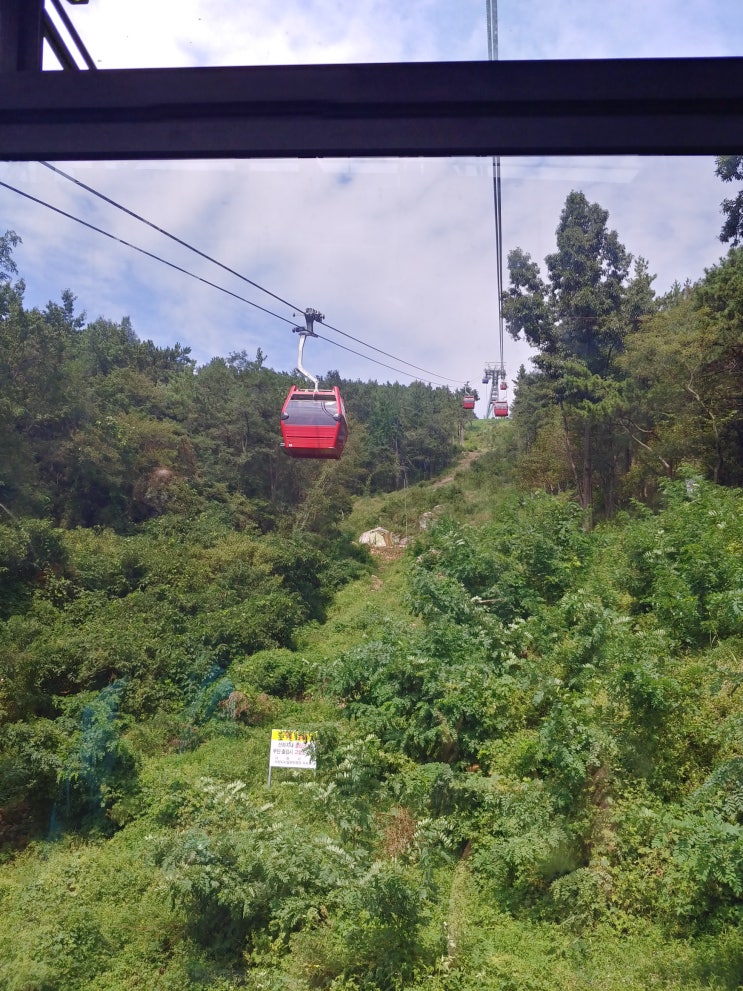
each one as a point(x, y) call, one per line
point(291, 748)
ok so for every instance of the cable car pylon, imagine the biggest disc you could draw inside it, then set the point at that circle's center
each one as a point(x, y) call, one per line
point(495, 376)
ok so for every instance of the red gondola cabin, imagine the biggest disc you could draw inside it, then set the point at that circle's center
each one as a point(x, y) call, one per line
point(500, 409)
point(468, 402)
point(313, 423)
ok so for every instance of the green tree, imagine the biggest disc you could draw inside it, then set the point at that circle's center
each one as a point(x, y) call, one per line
point(8, 267)
point(684, 369)
point(728, 168)
point(577, 321)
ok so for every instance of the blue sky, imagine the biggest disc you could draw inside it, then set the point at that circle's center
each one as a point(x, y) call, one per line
point(399, 253)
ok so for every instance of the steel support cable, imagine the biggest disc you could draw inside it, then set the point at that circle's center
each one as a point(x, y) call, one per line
point(193, 275)
point(226, 268)
point(71, 30)
point(56, 43)
point(394, 357)
point(378, 362)
point(143, 251)
point(173, 237)
point(499, 261)
point(491, 12)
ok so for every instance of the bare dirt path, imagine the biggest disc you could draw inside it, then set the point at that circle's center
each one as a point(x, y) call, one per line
point(464, 462)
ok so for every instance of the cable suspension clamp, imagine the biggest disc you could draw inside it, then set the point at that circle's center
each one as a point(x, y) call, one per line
point(310, 316)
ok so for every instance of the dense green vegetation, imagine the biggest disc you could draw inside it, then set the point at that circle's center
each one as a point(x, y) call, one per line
point(627, 386)
point(527, 721)
point(529, 764)
point(99, 428)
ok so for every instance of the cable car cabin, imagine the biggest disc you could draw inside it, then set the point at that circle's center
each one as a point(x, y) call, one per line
point(500, 409)
point(503, 384)
point(468, 402)
point(313, 423)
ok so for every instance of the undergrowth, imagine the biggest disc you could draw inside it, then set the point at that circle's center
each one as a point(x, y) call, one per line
point(528, 762)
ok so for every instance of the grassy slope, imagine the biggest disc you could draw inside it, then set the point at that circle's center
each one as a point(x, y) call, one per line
point(96, 913)
point(487, 948)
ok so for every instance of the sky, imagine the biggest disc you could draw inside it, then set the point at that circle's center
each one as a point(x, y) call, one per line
point(398, 253)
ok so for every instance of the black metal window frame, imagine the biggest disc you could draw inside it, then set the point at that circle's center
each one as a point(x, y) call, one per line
point(674, 106)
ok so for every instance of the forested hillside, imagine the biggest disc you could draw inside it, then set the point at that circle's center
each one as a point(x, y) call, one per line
point(526, 721)
point(626, 385)
point(100, 428)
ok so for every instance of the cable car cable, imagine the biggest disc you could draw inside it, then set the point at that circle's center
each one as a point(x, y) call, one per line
point(491, 13)
point(232, 271)
point(143, 251)
point(214, 285)
point(393, 356)
point(199, 278)
point(173, 237)
point(72, 31)
point(376, 360)
point(185, 271)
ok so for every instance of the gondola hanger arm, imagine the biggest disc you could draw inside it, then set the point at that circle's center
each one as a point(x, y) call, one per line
point(310, 316)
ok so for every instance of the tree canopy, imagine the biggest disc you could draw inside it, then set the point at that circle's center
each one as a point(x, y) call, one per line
point(578, 322)
point(729, 168)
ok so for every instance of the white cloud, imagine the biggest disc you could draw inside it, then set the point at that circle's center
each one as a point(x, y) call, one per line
point(398, 253)
point(532, 29)
point(142, 33)
point(147, 33)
